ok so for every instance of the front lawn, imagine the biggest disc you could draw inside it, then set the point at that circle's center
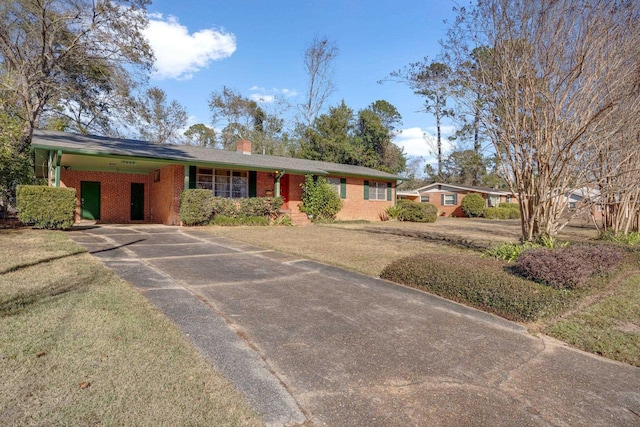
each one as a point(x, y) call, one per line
point(78, 346)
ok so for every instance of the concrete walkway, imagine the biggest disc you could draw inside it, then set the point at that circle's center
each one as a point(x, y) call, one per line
point(309, 343)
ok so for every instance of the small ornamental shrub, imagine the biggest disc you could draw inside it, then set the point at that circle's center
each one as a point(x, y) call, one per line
point(196, 207)
point(514, 209)
point(631, 239)
point(473, 205)
point(267, 207)
point(416, 212)
point(509, 252)
point(479, 282)
point(569, 267)
point(46, 207)
point(319, 201)
point(497, 213)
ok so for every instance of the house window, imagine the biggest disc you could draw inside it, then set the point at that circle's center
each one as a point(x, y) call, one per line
point(377, 190)
point(449, 199)
point(424, 198)
point(231, 184)
point(223, 182)
point(494, 201)
point(204, 178)
point(334, 183)
point(572, 205)
point(508, 198)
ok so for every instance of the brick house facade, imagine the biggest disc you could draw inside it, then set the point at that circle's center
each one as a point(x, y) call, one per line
point(126, 181)
point(448, 197)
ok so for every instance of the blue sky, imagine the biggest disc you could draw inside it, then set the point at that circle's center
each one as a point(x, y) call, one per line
point(256, 47)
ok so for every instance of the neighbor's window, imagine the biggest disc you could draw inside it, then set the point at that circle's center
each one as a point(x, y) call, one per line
point(231, 184)
point(494, 201)
point(449, 200)
point(572, 205)
point(424, 198)
point(334, 183)
point(377, 190)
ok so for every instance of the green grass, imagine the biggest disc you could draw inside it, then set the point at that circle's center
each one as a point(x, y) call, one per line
point(610, 327)
point(78, 346)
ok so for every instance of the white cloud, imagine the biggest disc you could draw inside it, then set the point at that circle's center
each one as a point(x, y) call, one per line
point(418, 142)
point(268, 96)
point(180, 54)
point(262, 98)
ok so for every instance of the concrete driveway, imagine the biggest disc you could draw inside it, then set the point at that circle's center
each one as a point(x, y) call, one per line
point(309, 343)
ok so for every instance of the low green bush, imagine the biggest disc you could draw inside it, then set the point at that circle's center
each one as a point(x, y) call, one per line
point(631, 239)
point(239, 220)
point(514, 209)
point(416, 212)
point(196, 206)
point(473, 205)
point(479, 282)
point(509, 252)
point(46, 207)
point(569, 267)
point(497, 213)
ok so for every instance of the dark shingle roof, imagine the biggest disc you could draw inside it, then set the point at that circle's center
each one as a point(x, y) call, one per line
point(103, 146)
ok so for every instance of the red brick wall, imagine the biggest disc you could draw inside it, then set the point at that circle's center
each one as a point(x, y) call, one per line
point(265, 182)
point(165, 195)
point(115, 193)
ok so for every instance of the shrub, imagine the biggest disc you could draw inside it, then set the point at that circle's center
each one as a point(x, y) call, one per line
point(416, 212)
point(239, 220)
point(46, 207)
point(392, 211)
point(514, 209)
point(509, 251)
point(260, 206)
point(473, 205)
point(569, 267)
point(319, 200)
point(631, 239)
point(196, 207)
point(479, 282)
point(497, 213)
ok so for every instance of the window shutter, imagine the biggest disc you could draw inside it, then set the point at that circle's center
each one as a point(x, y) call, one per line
point(389, 192)
point(253, 181)
point(442, 199)
point(455, 199)
point(343, 188)
point(192, 177)
point(366, 190)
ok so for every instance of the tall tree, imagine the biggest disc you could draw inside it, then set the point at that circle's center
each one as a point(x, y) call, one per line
point(374, 131)
point(55, 50)
point(433, 81)
point(329, 139)
point(554, 80)
point(319, 59)
point(160, 120)
point(234, 114)
point(201, 135)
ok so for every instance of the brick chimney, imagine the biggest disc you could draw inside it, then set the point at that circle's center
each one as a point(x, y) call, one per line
point(244, 146)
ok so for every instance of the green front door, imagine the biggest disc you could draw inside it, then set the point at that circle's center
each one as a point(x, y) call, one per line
point(90, 200)
point(137, 201)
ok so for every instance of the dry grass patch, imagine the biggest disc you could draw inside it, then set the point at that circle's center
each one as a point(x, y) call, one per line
point(80, 347)
point(354, 249)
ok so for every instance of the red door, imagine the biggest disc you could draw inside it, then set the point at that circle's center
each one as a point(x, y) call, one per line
point(284, 188)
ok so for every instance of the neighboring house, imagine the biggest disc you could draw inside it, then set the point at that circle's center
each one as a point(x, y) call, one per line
point(129, 181)
point(448, 197)
point(582, 203)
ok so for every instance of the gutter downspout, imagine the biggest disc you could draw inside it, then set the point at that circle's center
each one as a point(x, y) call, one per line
point(276, 188)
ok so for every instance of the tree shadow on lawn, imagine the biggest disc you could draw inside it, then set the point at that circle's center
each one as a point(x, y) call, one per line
point(23, 301)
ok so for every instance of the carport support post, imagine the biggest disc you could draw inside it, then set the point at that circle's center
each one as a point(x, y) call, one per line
point(276, 189)
point(57, 172)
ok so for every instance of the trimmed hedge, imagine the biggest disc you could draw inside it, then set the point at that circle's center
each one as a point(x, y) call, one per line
point(500, 213)
point(570, 267)
point(407, 210)
point(473, 205)
point(239, 220)
point(196, 207)
point(46, 207)
point(199, 207)
point(479, 282)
